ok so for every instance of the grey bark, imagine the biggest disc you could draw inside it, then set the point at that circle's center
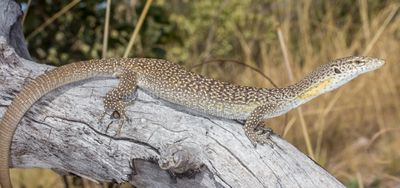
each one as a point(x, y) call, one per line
point(159, 147)
point(10, 28)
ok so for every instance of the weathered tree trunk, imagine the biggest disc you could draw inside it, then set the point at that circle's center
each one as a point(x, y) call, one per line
point(158, 147)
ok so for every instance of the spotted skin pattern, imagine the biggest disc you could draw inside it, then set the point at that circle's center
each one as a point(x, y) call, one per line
point(185, 89)
point(116, 99)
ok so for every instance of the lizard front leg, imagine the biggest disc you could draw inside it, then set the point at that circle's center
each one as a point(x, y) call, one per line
point(253, 127)
point(117, 98)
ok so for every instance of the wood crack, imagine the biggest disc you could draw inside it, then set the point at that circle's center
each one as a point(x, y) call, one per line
point(238, 160)
point(108, 136)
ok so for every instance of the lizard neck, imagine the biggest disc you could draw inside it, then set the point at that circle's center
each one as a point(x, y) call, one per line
point(288, 98)
point(309, 88)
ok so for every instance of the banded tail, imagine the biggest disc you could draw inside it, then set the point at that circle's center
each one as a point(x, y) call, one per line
point(33, 91)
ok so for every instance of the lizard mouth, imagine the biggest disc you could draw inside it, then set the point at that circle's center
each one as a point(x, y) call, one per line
point(374, 64)
point(378, 63)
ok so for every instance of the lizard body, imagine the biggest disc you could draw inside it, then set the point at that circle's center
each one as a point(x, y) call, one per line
point(188, 90)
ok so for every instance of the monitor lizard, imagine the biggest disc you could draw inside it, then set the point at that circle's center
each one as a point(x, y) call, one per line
point(170, 82)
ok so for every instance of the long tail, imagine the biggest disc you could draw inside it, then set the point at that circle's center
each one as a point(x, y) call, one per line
point(33, 91)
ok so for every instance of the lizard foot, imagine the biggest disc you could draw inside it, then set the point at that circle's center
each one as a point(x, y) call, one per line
point(115, 116)
point(260, 135)
point(118, 112)
point(120, 116)
point(122, 119)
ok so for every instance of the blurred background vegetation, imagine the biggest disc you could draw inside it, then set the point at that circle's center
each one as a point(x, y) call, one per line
point(353, 132)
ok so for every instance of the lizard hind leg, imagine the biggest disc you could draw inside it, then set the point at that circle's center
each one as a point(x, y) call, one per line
point(118, 98)
point(255, 131)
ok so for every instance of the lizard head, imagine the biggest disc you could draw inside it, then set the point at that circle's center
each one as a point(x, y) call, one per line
point(341, 71)
point(334, 74)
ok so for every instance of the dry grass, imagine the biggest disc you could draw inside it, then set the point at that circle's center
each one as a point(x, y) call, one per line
point(354, 131)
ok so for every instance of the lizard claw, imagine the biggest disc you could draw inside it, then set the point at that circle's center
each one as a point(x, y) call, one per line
point(121, 123)
point(261, 130)
point(121, 117)
point(115, 116)
point(261, 135)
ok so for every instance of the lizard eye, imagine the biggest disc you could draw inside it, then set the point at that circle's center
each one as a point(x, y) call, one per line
point(337, 71)
point(358, 62)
